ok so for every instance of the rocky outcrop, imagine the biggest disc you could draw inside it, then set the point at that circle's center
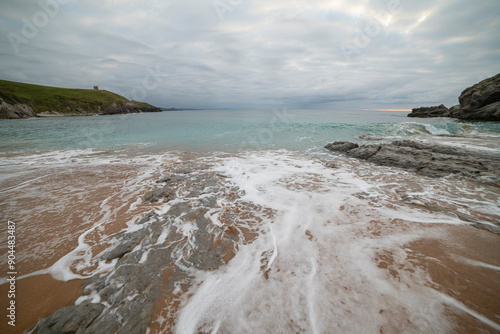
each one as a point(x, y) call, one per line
point(150, 109)
point(479, 102)
point(9, 111)
point(425, 112)
point(126, 108)
point(426, 159)
point(155, 262)
point(490, 112)
point(15, 111)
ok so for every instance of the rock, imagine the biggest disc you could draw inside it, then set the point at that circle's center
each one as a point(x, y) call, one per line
point(341, 146)
point(490, 112)
point(147, 218)
point(172, 179)
point(126, 244)
point(172, 246)
point(70, 319)
point(150, 109)
point(364, 152)
point(157, 194)
point(479, 102)
point(427, 159)
point(125, 108)
point(478, 96)
point(15, 111)
point(455, 110)
point(425, 112)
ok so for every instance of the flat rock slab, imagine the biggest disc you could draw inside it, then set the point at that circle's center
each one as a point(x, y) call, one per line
point(155, 260)
point(426, 159)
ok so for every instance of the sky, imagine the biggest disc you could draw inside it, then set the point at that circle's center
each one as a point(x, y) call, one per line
point(248, 54)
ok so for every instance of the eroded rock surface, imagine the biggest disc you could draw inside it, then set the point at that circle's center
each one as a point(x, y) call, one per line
point(157, 260)
point(425, 112)
point(426, 159)
point(15, 111)
point(478, 102)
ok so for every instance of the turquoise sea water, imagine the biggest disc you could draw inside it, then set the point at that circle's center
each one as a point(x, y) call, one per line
point(334, 240)
point(222, 130)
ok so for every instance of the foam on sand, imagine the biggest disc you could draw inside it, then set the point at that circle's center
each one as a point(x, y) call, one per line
point(333, 258)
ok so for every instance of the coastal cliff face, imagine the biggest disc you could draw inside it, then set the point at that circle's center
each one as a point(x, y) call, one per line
point(127, 108)
point(21, 100)
point(15, 111)
point(478, 102)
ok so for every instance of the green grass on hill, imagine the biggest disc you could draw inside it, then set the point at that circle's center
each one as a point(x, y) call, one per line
point(62, 100)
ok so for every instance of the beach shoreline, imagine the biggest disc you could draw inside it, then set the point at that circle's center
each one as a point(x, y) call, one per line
point(424, 257)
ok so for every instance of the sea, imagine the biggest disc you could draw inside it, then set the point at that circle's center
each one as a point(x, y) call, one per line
point(339, 245)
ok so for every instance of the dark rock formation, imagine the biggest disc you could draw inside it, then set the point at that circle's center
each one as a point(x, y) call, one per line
point(490, 112)
point(454, 111)
point(426, 159)
point(125, 108)
point(71, 319)
point(171, 247)
point(150, 109)
point(425, 112)
point(479, 102)
point(341, 146)
point(128, 108)
point(15, 111)
point(157, 194)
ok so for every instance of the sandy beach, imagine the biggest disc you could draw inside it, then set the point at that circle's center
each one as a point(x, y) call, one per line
point(419, 276)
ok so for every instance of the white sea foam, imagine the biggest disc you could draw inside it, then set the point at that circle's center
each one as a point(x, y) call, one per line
point(433, 130)
point(81, 262)
point(313, 268)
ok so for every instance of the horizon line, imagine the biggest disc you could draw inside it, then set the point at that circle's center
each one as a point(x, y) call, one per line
point(387, 109)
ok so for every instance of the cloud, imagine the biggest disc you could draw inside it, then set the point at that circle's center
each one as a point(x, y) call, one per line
point(252, 54)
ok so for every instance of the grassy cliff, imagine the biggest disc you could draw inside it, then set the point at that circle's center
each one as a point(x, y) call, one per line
point(43, 99)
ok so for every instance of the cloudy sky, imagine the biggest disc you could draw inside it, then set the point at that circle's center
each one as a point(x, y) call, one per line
point(337, 54)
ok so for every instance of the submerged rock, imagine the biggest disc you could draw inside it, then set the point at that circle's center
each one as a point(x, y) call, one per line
point(426, 159)
point(71, 319)
point(157, 194)
point(155, 262)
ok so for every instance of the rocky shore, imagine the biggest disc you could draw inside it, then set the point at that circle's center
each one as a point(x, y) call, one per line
point(154, 261)
point(479, 102)
point(426, 159)
point(20, 110)
point(21, 100)
point(15, 111)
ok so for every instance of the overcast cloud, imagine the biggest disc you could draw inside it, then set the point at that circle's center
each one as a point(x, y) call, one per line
point(338, 54)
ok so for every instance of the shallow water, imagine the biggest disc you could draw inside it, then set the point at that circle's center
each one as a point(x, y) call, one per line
point(323, 243)
point(225, 130)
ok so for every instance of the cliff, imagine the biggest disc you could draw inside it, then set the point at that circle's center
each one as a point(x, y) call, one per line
point(478, 102)
point(19, 100)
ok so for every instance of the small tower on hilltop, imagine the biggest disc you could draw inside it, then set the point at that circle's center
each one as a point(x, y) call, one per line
point(96, 88)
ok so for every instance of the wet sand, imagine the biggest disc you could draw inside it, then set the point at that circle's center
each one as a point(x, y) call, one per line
point(462, 262)
point(447, 254)
point(52, 207)
point(38, 297)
